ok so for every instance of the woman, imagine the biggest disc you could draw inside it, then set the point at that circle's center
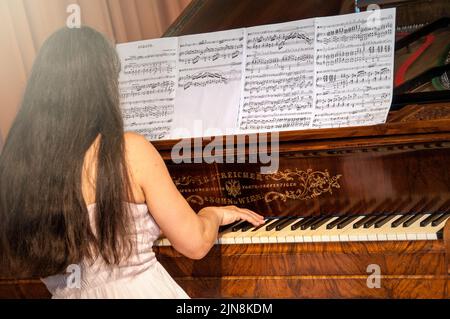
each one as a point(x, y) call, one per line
point(76, 190)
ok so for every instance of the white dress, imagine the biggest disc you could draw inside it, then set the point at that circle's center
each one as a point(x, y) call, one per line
point(141, 276)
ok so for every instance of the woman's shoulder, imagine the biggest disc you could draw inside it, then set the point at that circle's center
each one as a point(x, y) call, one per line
point(139, 151)
point(136, 144)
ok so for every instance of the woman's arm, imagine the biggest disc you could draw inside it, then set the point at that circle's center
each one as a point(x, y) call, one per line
point(191, 234)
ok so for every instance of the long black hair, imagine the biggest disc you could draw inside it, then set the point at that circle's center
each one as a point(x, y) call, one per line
point(71, 98)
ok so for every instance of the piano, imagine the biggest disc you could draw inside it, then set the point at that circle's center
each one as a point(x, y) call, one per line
point(355, 212)
point(345, 203)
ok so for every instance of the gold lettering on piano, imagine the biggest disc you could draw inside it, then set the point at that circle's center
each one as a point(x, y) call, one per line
point(287, 184)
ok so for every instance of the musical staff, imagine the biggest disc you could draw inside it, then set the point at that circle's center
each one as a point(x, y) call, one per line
point(279, 63)
point(210, 72)
point(147, 85)
point(354, 68)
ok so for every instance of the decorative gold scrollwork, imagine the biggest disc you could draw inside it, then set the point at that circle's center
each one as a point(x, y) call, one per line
point(311, 184)
point(195, 199)
point(186, 180)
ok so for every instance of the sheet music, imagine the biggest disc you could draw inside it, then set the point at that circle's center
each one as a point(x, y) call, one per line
point(210, 71)
point(147, 84)
point(315, 73)
point(354, 69)
point(279, 76)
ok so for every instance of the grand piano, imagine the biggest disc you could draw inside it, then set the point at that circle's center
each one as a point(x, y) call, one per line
point(346, 204)
point(355, 212)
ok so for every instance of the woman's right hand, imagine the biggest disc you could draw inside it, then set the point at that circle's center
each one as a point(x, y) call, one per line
point(231, 214)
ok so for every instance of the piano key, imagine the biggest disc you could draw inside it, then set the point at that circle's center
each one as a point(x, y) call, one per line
point(440, 219)
point(286, 223)
point(429, 219)
point(262, 235)
point(300, 223)
point(386, 232)
point(339, 234)
point(415, 231)
point(308, 223)
point(240, 226)
point(442, 209)
point(363, 221)
point(348, 232)
point(306, 235)
point(412, 220)
point(336, 221)
point(266, 222)
point(227, 236)
point(384, 221)
point(274, 225)
point(373, 221)
point(247, 227)
point(400, 220)
point(348, 221)
point(229, 226)
point(320, 222)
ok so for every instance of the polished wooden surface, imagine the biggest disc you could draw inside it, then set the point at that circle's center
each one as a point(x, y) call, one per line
point(208, 16)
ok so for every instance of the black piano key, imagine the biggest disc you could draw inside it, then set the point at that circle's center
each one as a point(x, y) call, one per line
point(310, 222)
point(361, 222)
point(383, 221)
point(440, 234)
point(373, 221)
point(400, 220)
point(266, 222)
point(412, 220)
point(241, 226)
point(247, 227)
point(347, 221)
point(300, 223)
point(440, 219)
point(429, 219)
point(442, 209)
point(286, 223)
point(336, 221)
point(320, 222)
point(229, 226)
point(275, 224)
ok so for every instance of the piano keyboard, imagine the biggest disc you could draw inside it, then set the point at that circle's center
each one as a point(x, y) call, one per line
point(333, 229)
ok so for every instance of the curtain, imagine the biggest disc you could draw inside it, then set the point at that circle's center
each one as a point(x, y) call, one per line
point(25, 24)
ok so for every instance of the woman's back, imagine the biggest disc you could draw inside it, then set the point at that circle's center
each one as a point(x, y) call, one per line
point(139, 275)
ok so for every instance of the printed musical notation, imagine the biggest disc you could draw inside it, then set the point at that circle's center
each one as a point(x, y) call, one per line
point(147, 84)
point(209, 83)
point(315, 73)
point(279, 62)
point(354, 69)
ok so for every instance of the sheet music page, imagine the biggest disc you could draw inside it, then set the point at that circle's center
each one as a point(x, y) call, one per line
point(210, 71)
point(354, 68)
point(277, 93)
point(147, 84)
point(316, 73)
